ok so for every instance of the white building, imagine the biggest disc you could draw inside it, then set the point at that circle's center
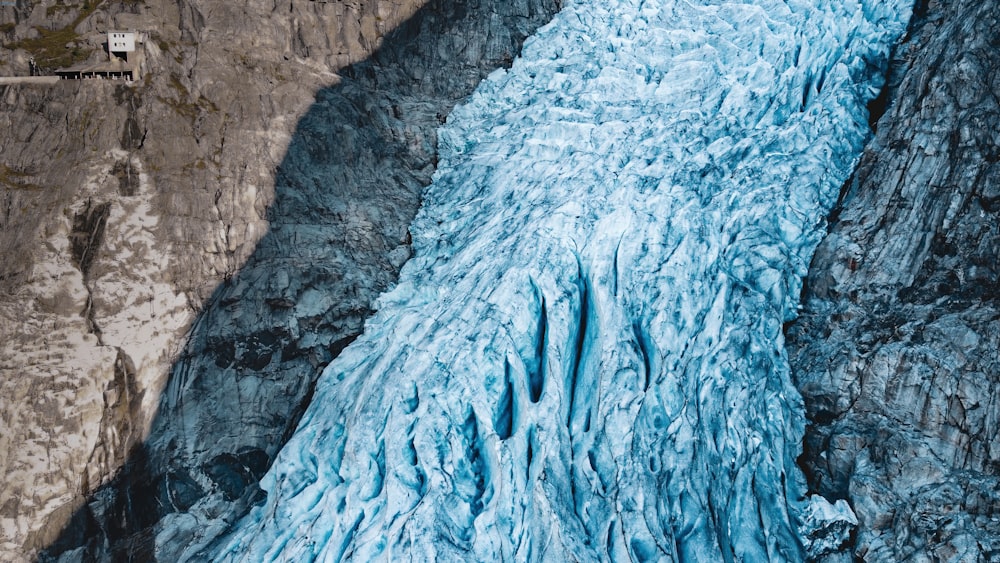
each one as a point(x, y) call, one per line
point(120, 44)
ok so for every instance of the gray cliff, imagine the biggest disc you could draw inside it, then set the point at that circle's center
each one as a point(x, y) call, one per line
point(186, 252)
point(897, 352)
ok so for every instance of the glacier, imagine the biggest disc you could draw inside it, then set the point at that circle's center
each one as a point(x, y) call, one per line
point(584, 358)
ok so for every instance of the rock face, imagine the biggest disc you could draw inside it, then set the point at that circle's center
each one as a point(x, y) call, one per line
point(898, 350)
point(249, 196)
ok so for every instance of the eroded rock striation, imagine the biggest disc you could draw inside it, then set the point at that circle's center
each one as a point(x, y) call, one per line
point(224, 223)
point(897, 352)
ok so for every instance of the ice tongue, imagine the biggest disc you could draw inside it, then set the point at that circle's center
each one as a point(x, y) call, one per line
point(584, 359)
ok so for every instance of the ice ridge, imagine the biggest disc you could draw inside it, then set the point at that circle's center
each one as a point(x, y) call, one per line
point(584, 359)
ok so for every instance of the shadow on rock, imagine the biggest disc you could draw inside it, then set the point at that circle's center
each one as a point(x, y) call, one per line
point(345, 193)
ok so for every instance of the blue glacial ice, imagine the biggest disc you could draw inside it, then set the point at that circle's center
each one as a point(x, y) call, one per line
point(584, 359)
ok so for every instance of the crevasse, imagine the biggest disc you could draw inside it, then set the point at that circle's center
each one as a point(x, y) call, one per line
point(584, 359)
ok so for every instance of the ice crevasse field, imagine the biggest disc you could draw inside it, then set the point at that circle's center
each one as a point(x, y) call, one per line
point(584, 358)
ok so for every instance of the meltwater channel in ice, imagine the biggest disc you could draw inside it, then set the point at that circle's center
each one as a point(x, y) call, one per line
point(584, 359)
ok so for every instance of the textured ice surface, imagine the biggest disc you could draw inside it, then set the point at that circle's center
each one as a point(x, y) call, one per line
point(584, 359)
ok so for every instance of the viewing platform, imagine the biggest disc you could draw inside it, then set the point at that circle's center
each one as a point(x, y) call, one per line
point(113, 70)
point(123, 62)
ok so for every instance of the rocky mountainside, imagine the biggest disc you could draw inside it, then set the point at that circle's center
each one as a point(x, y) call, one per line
point(897, 352)
point(185, 253)
point(224, 223)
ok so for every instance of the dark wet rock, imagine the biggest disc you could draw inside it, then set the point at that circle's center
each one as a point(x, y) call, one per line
point(897, 352)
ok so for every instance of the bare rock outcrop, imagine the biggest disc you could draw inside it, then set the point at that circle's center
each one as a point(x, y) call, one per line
point(897, 352)
point(184, 252)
